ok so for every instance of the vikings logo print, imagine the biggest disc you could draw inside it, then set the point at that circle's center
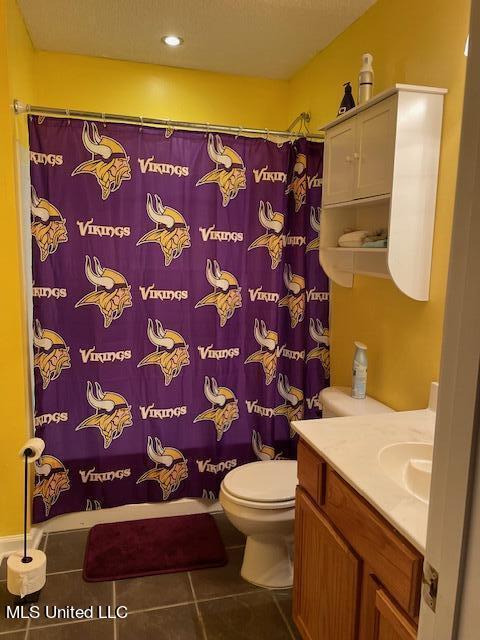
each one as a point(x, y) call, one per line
point(51, 355)
point(112, 291)
point(48, 225)
point(267, 354)
point(263, 451)
point(112, 413)
point(109, 162)
point(51, 478)
point(319, 334)
point(298, 185)
point(224, 409)
point(171, 231)
point(314, 245)
point(292, 408)
point(226, 295)
point(171, 351)
point(170, 467)
point(273, 240)
point(93, 505)
point(295, 298)
point(229, 172)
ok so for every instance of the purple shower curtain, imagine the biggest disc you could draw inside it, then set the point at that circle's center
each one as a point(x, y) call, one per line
point(180, 311)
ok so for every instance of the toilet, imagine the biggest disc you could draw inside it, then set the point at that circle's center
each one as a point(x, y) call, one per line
point(259, 500)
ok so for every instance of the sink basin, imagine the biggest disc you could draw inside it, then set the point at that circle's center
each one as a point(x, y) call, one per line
point(409, 464)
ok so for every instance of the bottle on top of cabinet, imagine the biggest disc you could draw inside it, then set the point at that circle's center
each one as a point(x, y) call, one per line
point(365, 79)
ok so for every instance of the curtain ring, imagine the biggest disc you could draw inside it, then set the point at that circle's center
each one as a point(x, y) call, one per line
point(169, 129)
point(265, 137)
point(207, 129)
point(67, 111)
point(239, 132)
point(104, 122)
point(141, 124)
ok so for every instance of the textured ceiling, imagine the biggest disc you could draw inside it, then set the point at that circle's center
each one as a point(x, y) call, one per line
point(268, 38)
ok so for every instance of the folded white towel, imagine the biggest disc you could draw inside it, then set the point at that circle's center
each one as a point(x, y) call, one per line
point(353, 239)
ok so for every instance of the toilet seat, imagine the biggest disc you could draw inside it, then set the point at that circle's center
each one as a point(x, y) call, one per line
point(286, 504)
point(262, 485)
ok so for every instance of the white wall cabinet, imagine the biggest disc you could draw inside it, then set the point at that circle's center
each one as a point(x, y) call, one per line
point(380, 171)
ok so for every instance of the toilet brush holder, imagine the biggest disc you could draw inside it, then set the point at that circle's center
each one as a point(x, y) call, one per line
point(26, 571)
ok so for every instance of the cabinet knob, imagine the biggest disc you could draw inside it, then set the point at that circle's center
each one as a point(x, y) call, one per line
point(356, 156)
point(348, 159)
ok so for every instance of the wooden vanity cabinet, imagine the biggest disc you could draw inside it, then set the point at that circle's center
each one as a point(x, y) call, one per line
point(355, 577)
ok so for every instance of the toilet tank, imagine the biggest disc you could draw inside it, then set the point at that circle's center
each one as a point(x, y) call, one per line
point(337, 402)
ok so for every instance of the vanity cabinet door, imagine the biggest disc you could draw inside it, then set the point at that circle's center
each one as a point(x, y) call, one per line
point(390, 622)
point(339, 163)
point(326, 577)
point(382, 618)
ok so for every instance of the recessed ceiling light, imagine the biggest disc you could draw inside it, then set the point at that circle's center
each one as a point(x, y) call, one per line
point(172, 41)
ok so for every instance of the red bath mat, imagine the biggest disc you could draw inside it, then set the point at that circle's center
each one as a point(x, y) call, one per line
point(152, 546)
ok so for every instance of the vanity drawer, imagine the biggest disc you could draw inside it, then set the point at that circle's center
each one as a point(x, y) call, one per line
point(397, 565)
point(311, 472)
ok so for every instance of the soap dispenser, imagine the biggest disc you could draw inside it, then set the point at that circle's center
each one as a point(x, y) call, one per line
point(347, 102)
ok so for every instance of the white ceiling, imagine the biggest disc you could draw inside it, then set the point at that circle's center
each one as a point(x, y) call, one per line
point(268, 38)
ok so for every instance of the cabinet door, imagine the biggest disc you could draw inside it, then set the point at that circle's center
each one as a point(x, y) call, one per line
point(326, 577)
point(339, 165)
point(383, 619)
point(375, 148)
point(390, 621)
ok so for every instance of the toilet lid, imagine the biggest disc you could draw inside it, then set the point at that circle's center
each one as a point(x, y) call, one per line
point(263, 481)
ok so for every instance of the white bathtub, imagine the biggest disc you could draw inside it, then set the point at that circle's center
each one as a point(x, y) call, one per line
point(86, 519)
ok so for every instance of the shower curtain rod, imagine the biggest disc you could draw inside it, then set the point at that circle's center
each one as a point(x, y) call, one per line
point(21, 107)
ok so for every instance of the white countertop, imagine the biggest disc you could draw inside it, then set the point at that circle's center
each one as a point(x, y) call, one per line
point(351, 445)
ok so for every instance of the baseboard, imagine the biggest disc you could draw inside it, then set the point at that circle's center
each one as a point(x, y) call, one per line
point(9, 544)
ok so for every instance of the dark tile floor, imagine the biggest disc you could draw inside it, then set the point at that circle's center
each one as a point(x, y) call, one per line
point(210, 604)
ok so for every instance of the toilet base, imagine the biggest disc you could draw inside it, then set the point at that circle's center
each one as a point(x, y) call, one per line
point(268, 561)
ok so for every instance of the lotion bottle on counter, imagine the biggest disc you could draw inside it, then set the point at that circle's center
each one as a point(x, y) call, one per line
point(359, 374)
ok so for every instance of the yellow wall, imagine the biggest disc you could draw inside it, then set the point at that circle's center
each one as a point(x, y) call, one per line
point(131, 88)
point(418, 43)
point(16, 55)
